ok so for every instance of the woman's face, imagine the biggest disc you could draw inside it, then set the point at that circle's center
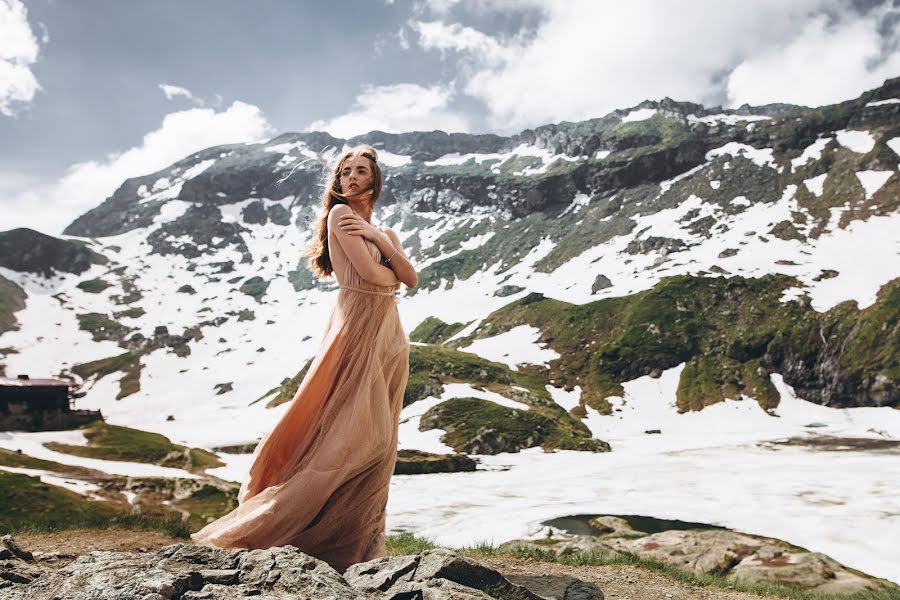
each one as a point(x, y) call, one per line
point(356, 176)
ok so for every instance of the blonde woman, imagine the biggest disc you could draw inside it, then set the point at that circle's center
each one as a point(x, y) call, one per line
point(319, 480)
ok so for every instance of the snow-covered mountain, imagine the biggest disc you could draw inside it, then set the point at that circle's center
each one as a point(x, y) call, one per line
point(189, 282)
point(725, 276)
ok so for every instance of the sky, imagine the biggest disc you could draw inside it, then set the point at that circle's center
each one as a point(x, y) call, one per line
point(96, 91)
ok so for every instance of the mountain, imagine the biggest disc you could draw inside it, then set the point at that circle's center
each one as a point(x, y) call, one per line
point(742, 244)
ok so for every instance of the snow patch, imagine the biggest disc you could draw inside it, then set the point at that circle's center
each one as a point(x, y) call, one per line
point(197, 169)
point(393, 160)
point(872, 181)
point(639, 114)
point(860, 142)
point(884, 102)
point(517, 346)
point(760, 156)
point(816, 185)
point(727, 119)
point(811, 152)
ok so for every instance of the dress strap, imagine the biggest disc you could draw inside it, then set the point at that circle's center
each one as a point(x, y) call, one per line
point(355, 288)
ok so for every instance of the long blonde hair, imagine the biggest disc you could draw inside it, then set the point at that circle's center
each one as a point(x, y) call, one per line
point(319, 262)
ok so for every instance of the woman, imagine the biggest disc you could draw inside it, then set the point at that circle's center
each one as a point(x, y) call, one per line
point(319, 480)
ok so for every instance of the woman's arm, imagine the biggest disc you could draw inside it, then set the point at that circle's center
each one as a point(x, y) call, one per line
point(355, 249)
point(400, 264)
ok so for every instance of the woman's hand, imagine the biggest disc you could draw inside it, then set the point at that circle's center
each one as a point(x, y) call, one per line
point(353, 224)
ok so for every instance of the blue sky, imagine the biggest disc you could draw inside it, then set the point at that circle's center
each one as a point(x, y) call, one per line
point(94, 91)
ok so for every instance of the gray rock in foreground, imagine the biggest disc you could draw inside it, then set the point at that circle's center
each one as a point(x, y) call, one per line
point(735, 555)
point(189, 572)
point(437, 573)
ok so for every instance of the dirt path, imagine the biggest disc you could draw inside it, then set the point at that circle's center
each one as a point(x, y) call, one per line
point(57, 549)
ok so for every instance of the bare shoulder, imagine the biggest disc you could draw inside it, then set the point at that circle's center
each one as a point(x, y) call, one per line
point(338, 210)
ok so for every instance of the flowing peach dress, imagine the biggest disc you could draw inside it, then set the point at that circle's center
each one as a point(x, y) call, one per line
point(319, 480)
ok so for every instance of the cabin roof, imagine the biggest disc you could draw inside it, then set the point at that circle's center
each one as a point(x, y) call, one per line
point(16, 382)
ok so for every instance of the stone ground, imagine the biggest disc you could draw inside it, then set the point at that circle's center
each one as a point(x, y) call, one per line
point(617, 582)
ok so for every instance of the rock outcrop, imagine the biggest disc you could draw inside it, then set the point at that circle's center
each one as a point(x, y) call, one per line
point(735, 555)
point(189, 572)
point(30, 251)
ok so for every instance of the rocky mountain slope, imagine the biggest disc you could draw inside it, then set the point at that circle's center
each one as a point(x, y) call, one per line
point(742, 243)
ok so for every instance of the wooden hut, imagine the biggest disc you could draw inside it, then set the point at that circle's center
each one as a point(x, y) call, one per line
point(28, 404)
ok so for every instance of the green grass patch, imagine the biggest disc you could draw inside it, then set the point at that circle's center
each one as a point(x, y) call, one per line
point(128, 363)
point(115, 442)
point(206, 505)
point(134, 312)
point(102, 327)
point(11, 458)
point(12, 300)
point(28, 505)
point(434, 331)
point(402, 544)
point(731, 333)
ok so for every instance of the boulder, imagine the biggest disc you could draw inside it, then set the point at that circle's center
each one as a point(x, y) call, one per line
point(16, 565)
point(749, 557)
point(813, 570)
point(436, 574)
point(415, 462)
point(697, 550)
point(610, 526)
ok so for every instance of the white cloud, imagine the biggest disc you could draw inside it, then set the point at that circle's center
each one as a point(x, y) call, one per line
point(396, 108)
point(439, 6)
point(588, 57)
point(173, 91)
point(823, 64)
point(443, 37)
point(50, 207)
point(18, 51)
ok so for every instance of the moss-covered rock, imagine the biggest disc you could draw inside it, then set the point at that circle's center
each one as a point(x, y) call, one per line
point(93, 286)
point(430, 367)
point(129, 363)
point(255, 287)
point(732, 333)
point(288, 388)
point(434, 331)
point(302, 278)
point(12, 300)
point(416, 462)
point(477, 426)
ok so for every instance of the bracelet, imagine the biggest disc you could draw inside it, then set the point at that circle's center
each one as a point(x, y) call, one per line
point(388, 260)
